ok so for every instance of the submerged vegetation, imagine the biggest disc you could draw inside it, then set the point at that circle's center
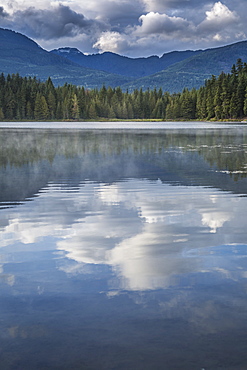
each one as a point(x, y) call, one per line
point(26, 98)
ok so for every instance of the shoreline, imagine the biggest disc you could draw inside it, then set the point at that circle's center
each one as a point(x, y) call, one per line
point(120, 125)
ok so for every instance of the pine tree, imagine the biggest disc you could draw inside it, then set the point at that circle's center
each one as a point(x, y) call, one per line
point(1, 114)
point(225, 97)
point(51, 102)
point(41, 111)
point(218, 102)
point(29, 114)
point(240, 94)
point(245, 102)
point(187, 105)
point(233, 106)
point(75, 108)
point(201, 107)
point(92, 114)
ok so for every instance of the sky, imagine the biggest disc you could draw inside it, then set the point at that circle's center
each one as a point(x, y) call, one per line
point(135, 28)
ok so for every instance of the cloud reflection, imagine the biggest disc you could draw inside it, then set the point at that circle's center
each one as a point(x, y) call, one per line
point(150, 233)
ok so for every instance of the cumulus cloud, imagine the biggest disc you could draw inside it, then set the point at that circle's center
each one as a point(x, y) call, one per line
point(155, 28)
point(155, 23)
point(129, 27)
point(53, 23)
point(218, 18)
point(220, 12)
point(214, 25)
point(113, 41)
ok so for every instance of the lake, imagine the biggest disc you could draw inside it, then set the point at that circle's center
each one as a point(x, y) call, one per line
point(123, 246)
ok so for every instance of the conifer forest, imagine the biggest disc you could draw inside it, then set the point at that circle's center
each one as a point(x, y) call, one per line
point(26, 98)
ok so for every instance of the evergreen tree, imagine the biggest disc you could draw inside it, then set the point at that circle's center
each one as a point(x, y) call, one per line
point(75, 108)
point(51, 102)
point(29, 114)
point(187, 105)
point(28, 98)
point(41, 111)
point(1, 114)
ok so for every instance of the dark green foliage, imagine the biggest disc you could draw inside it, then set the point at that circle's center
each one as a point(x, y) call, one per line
point(23, 98)
point(223, 97)
point(220, 98)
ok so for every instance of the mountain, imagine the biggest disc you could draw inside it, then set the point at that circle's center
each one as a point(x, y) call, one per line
point(19, 54)
point(122, 65)
point(172, 72)
point(193, 71)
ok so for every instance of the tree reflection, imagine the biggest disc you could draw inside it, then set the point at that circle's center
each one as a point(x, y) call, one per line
point(197, 157)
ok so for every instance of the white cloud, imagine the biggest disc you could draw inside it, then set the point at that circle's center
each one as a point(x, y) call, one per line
point(160, 30)
point(215, 220)
point(162, 24)
point(129, 27)
point(219, 18)
point(148, 237)
point(112, 41)
point(220, 12)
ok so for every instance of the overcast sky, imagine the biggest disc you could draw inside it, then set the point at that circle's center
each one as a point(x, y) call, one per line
point(128, 27)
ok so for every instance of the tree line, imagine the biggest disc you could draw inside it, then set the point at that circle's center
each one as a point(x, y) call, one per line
point(27, 98)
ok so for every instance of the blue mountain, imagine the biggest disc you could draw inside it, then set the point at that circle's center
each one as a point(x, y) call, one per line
point(172, 71)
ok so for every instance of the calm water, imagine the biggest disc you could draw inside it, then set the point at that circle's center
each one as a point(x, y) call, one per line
point(123, 249)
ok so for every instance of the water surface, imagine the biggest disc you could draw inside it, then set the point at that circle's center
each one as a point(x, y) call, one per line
point(123, 249)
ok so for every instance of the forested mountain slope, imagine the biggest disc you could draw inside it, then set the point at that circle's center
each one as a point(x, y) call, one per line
point(19, 54)
point(193, 71)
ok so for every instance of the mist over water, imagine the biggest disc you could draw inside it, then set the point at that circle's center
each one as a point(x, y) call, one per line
point(131, 125)
point(123, 248)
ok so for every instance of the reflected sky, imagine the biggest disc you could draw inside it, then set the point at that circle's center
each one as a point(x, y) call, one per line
point(123, 251)
point(149, 232)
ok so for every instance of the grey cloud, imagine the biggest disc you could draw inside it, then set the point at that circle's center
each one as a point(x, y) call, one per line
point(178, 7)
point(191, 10)
point(54, 23)
point(132, 27)
point(120, 14)
point(182, 4)
point(3, 14)
point(219, 18)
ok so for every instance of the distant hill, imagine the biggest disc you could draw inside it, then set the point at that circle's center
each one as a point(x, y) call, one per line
point(21, 54)
point(193, 71)
point(172, 72)
point(118, 64)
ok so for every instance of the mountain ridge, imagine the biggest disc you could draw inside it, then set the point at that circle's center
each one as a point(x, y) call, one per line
point(172, 72)
point(20, 54)
point(193, 71)
point(123, 65)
